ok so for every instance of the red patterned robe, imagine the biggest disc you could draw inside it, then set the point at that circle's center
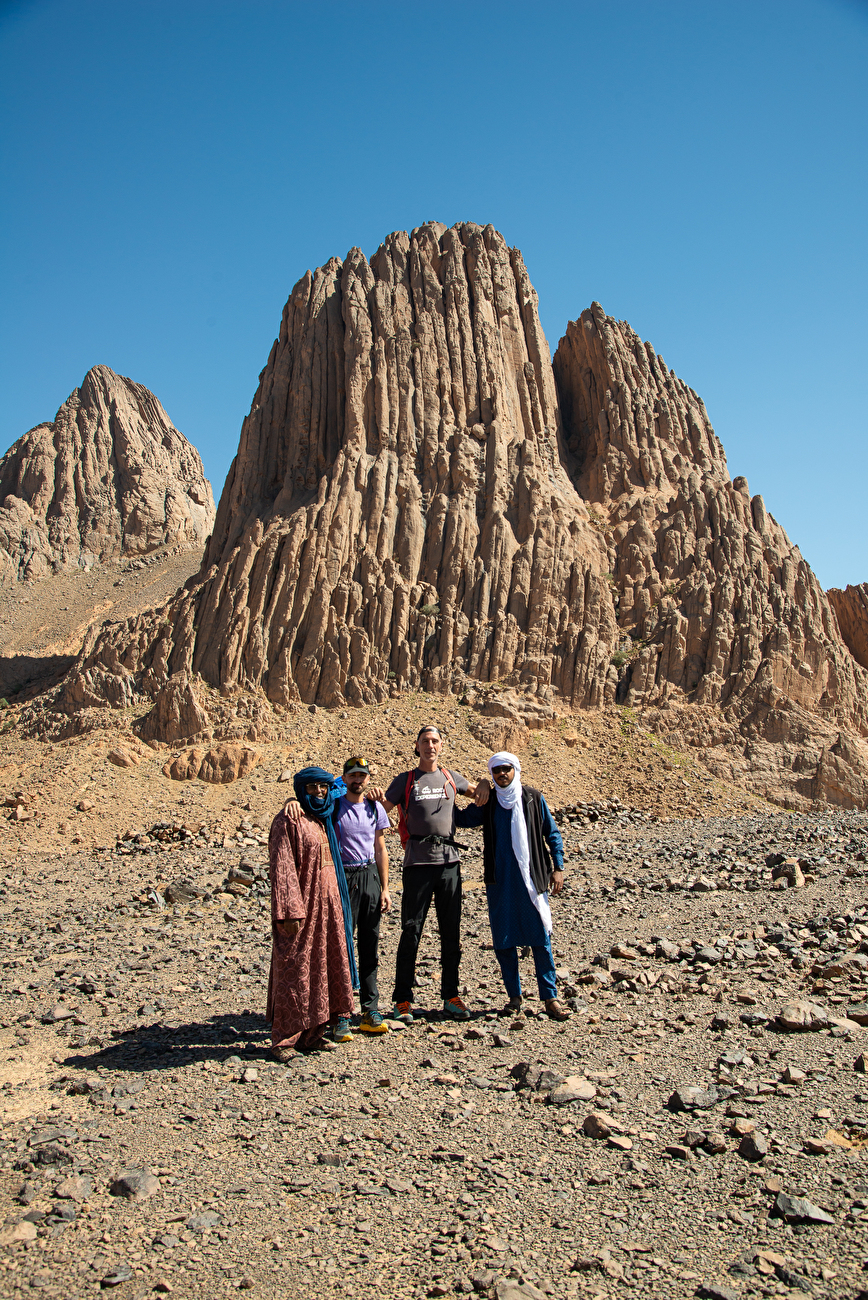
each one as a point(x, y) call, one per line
point(309, 982)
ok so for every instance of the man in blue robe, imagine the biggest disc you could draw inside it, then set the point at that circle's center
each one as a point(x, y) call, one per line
point(524, 858)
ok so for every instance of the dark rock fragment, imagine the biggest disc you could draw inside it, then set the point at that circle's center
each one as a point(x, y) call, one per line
point(135, 1184)
point(693, 1098)
point(796, 1209)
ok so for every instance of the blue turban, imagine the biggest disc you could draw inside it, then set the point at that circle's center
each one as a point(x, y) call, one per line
point(322, 809)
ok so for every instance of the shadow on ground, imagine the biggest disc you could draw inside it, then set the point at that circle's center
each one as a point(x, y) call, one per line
point(166, 1044)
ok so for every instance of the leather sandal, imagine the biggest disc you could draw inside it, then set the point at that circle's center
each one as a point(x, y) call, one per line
point(556, 1010)
point(283, 1055)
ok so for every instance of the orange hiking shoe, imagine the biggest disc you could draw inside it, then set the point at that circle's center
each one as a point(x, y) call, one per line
point(403, 1011)
point(455, 1009)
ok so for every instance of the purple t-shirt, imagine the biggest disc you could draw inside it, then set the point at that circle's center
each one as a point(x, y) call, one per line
point(356, 825)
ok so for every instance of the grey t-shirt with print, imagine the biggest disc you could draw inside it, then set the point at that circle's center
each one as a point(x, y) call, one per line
point(430, 811)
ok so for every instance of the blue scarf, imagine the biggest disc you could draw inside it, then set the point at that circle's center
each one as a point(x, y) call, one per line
point(322, 810)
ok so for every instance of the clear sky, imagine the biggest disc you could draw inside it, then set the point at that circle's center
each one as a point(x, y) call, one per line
point(170, 169)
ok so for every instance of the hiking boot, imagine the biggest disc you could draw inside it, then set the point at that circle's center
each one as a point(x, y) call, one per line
point(342, 1033)
point(455, 1009)
point(403, 1011)
point(373, 1023)
point(556, 1010)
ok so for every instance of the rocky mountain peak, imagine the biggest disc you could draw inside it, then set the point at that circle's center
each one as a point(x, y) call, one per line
point(109, 476)
point(399, 508)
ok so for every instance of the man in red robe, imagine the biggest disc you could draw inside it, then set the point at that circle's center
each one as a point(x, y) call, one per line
point(310, 986)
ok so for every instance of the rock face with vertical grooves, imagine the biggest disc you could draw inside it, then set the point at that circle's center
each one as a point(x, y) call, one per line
point(415, 521)
point(110, 476)
point(420, 499)
point(400, 511)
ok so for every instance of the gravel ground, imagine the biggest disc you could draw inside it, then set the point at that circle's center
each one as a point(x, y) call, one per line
point(436, 1160)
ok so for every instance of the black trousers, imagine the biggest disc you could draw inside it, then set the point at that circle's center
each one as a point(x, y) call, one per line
point(421, 884)
point(364, 890)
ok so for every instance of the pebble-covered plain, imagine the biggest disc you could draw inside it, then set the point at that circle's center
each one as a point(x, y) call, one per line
point(698, 1126)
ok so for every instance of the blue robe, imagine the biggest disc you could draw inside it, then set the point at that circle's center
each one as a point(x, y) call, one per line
point(515, 922)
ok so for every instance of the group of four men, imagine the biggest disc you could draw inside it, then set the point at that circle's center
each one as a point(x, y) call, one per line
point(330, 878)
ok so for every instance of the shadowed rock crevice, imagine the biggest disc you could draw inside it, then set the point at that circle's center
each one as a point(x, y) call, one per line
point(851, 607)
point(32, 673)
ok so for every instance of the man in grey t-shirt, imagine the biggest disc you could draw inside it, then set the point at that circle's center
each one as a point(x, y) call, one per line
point(432, 869)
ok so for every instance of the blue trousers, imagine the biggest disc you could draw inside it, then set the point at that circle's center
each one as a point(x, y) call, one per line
point(545, 970)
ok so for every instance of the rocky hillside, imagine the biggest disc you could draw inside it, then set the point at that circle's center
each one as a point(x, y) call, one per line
point(110, 476)
point(420, 499)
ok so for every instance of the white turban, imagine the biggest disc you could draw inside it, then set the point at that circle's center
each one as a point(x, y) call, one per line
point(509, 798)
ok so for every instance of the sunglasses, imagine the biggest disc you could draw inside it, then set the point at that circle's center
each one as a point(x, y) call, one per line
point(502, 769)
point(316, 785)
point(355, 762)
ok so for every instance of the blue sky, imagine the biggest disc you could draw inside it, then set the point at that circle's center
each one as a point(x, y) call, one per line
point(169, 170)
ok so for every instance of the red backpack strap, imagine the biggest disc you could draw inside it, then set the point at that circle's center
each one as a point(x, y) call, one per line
point(403, 832)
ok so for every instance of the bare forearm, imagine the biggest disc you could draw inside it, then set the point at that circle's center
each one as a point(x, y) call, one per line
point(381, 857)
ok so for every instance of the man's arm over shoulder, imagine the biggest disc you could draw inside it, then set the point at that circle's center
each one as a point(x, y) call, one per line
point(469, 816)
point(395, 792)
point(462, 785)
point(478, 790)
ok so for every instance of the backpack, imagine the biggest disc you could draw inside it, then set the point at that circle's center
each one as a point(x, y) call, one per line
point(403, 831)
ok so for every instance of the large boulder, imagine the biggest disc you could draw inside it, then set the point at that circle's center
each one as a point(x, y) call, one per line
point(177, 714)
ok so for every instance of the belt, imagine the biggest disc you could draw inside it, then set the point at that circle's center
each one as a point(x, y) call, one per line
point(438, 841)
point(359, 866)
